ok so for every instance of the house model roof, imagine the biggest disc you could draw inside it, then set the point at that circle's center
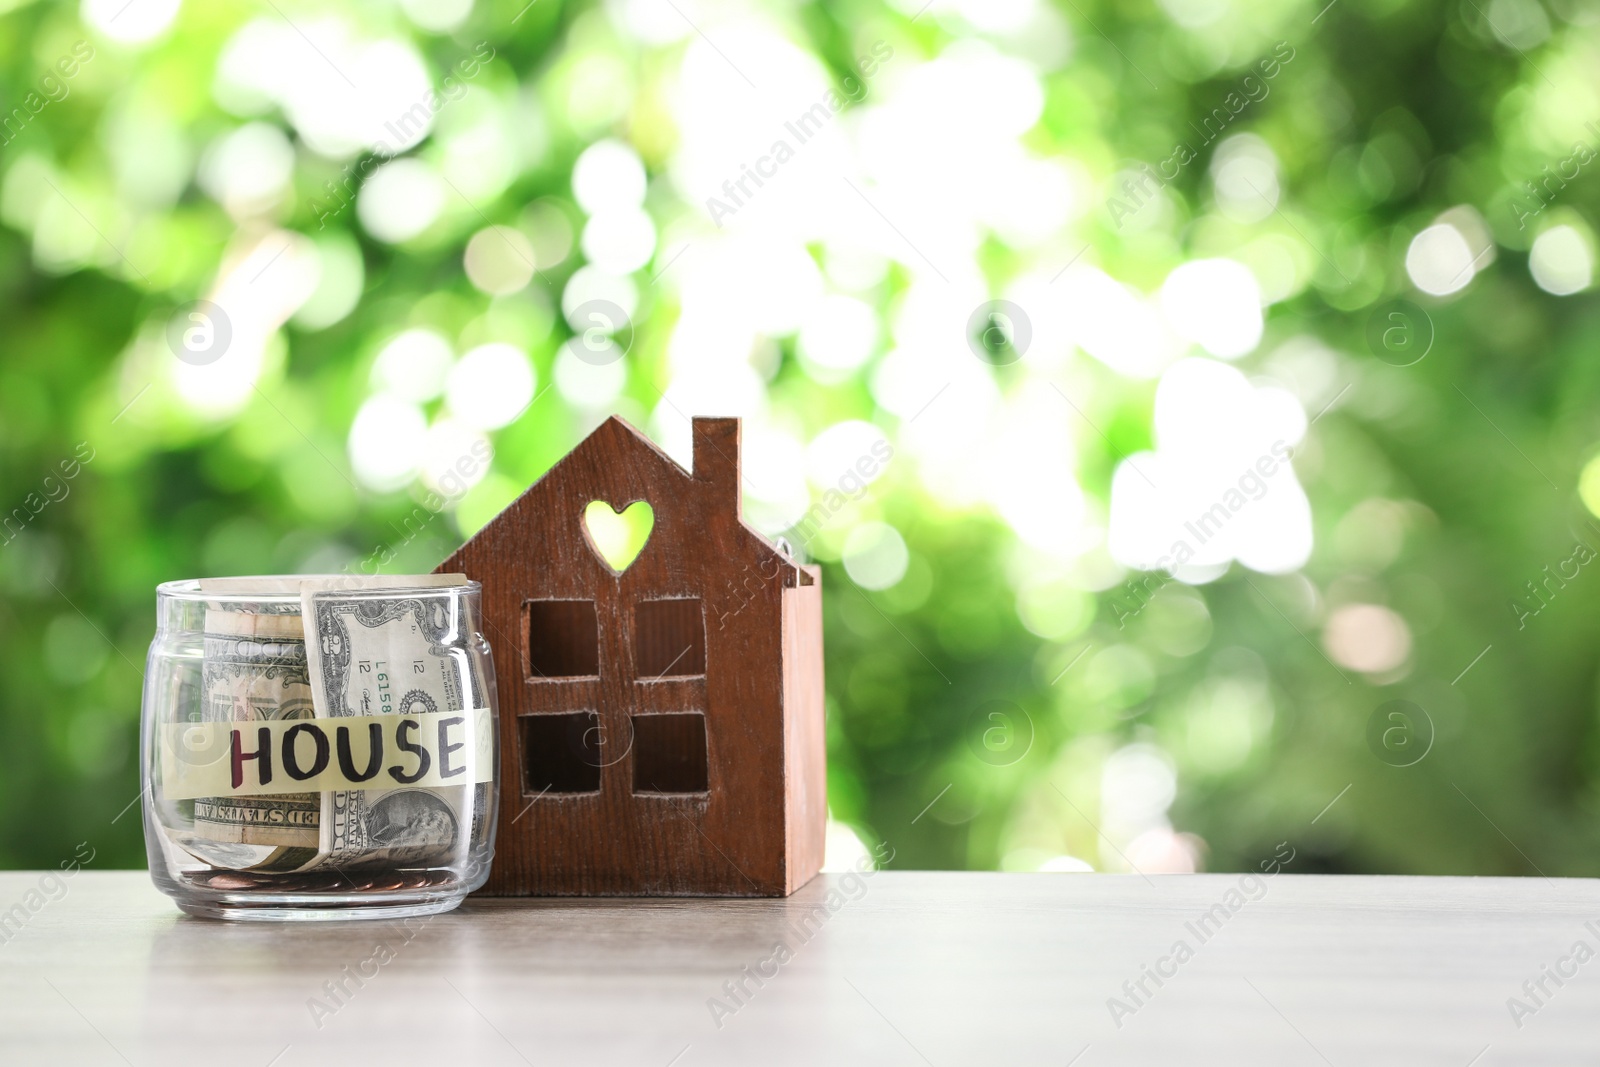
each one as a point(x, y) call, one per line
point(592, 464)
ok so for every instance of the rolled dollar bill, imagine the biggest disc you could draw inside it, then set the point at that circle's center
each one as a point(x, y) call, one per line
point(397, 650)
point(254, 670)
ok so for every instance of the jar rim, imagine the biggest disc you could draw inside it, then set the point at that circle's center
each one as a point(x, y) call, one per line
point(188, 589)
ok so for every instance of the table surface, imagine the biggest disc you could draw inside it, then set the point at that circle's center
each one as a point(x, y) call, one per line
point(915, 968)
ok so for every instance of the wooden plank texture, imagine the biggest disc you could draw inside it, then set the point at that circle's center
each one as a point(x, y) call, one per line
point(906, 969)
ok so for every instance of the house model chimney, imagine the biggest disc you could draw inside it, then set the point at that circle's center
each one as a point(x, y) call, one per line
point(716, 459)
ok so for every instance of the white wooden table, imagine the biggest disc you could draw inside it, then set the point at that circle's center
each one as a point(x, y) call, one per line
point(918, 968)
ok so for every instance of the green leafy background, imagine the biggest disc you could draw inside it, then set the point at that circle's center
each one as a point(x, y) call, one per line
point(1438, 490)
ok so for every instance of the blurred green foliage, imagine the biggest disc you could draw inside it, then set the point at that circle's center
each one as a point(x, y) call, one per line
point(1438, 490)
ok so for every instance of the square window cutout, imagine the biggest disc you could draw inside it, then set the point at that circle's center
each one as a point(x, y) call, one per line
point(560, 753)
point(669, 639)
point(669, 753)
point(563, 638)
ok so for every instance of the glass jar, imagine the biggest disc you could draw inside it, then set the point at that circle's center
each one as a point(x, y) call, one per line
point(350, 776)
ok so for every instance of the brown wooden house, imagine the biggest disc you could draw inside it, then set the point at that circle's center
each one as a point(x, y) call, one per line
point(662, 727)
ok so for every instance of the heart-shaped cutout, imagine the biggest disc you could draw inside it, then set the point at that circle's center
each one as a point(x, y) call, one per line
point(618, 537)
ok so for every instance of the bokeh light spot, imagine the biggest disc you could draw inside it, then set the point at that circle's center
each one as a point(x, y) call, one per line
point(499, 260)
point(386, 441)
point(130, 21)
point(1216, 304)
point(491, 385)
point(608, 176)
point(875, 555)
point(1561, 261)
point(1439, 260)
point(1367, 637)
point(413, 366)
point(400, 200)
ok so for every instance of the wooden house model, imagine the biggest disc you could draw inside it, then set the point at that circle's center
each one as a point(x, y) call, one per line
point(662, 726)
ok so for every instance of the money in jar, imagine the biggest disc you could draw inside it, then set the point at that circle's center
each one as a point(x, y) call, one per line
point(320, 745)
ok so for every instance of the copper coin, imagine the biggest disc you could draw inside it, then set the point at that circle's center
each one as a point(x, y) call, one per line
point(230, 880)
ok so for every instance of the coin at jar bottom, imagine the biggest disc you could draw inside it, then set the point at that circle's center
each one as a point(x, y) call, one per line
point(325, 881)
point(226, 880)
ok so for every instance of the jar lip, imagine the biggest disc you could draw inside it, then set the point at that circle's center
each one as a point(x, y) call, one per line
point(188, 589)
